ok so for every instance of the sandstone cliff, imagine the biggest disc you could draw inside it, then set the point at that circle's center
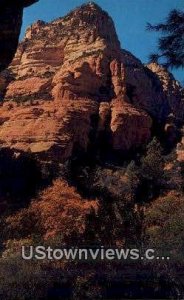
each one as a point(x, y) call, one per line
point(172, 90)
point(72, 71)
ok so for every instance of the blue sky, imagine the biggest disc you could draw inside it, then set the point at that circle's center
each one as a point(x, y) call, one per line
point(130, 18)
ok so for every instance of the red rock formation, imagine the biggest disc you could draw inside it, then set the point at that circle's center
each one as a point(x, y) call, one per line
point(172, 90)
point(76, 65)
point(75, 62)
point(47, 129)
point(130, 126)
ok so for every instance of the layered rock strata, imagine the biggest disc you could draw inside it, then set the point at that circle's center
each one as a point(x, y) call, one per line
point(70, 78)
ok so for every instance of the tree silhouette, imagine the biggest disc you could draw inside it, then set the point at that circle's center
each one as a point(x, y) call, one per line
point(171, 42)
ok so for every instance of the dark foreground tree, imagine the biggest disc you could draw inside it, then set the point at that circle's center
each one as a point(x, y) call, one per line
point(171, 42)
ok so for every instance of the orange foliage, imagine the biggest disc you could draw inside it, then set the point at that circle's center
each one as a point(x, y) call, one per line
point(59, 210)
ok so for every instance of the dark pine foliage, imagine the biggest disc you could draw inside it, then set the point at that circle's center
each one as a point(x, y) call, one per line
point(171, 42)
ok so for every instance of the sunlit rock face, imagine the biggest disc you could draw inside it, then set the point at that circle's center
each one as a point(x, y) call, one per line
point(70, 82)
point(172, 90)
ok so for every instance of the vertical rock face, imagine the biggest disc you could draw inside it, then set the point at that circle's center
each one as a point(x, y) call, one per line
point(70, 72)
point(130, 126)
point(172, 90)
point(144, 88)
point(77, 55)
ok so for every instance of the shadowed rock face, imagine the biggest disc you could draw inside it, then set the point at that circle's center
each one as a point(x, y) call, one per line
point(10, 24)
point(72, 83)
